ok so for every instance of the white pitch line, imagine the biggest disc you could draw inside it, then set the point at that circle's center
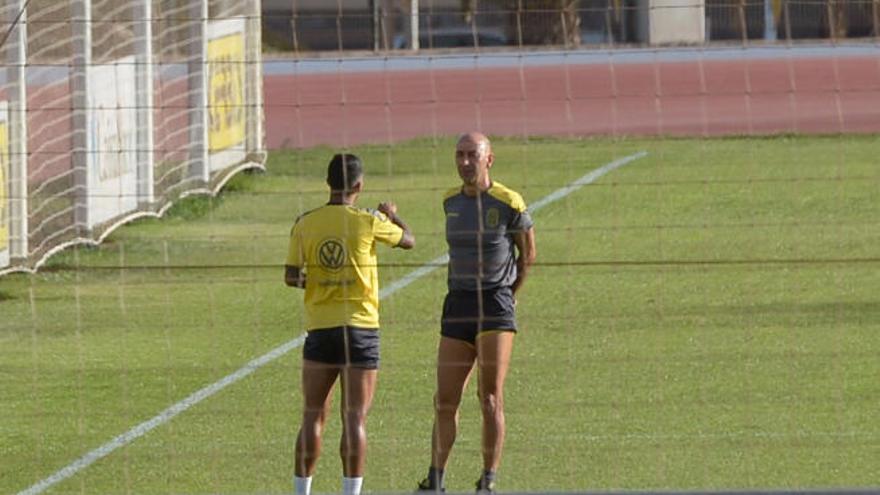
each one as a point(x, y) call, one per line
point(583, 181)
point(537, 205)
point(163, 417)
point(257, 363)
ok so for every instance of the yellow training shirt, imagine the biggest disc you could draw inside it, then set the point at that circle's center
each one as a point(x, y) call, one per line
point(335, 245)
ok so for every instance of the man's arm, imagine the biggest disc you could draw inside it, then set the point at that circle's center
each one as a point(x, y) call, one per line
point(408, 240)
point(294, 277)
point(525, 244)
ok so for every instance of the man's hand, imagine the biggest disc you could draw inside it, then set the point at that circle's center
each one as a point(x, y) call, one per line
point(388, 208)
point(294, 277)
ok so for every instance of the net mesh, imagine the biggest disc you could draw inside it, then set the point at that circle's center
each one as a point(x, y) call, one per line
point(702, 315)
point(103, 148)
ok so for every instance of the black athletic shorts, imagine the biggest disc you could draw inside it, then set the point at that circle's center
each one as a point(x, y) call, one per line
point(461, 313)
point(358, 347)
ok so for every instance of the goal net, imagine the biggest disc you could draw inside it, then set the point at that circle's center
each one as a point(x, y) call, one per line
point(112, 110)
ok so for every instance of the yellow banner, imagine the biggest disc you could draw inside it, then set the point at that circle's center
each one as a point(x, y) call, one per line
point(4, 197)
point(226, 92)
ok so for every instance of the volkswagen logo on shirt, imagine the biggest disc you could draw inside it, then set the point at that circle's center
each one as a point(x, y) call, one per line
point(331, 254)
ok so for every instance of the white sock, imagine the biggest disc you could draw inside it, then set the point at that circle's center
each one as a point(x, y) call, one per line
point(352, 486)
point(302, 486)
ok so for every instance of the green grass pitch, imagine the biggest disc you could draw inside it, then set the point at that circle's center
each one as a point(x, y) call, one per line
point(706, 317)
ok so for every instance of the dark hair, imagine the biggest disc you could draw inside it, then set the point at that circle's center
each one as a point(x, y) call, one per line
point(344, 171)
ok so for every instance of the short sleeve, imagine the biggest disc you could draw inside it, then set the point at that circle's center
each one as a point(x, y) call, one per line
point(520, 222)
point(385, 231)
point(295, 255)
point(520, 219)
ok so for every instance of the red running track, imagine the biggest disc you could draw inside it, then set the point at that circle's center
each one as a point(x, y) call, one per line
point(682, 98)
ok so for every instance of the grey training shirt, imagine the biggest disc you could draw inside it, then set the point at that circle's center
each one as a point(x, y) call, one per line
point(479, 232)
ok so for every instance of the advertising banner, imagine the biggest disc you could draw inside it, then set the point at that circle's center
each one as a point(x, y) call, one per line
point(226, 93)
point(113, 161)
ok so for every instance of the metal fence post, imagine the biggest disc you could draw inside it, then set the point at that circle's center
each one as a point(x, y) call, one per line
point(375, 24)
point(198, 87)
point(254, 140)
point(143, 26)
point(414, 25)
point(82, 125)
point(18, 156)
point(769, 21)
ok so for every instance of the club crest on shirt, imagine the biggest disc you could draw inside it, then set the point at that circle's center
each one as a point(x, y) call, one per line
point(331, 254)
point(492, 217)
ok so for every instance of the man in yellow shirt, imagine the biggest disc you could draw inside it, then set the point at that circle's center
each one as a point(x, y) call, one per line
point(332, 256)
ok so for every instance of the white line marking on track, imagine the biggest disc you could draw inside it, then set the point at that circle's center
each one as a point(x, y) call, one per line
point(257, 363)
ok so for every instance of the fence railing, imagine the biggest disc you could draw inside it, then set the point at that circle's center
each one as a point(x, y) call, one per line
point(349, 25)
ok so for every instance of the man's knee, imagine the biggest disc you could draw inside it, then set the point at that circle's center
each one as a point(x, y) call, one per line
point(355, 416)
point(446, 405)
point(314, 417)
point(491, 403)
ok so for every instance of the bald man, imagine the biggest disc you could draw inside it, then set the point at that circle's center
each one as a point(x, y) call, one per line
point(491, 246)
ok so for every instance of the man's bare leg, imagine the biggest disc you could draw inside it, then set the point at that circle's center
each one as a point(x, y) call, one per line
point(317, 383)
point(493, 360)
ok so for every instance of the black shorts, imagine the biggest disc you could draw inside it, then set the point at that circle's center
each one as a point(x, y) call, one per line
point(461, 313)
point(358, 347)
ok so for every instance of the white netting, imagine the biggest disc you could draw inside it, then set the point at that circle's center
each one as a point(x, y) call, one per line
point(129, 105)
point(703, 313)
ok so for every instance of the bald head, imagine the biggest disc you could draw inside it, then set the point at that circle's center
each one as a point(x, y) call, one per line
point(477, 139)
point(474, 158)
